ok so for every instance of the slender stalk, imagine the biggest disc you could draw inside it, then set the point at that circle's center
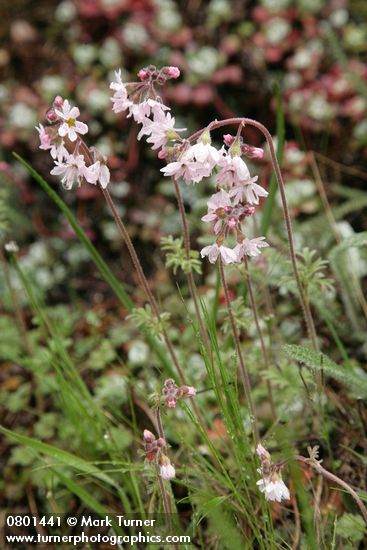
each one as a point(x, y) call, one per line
point(321, 470)
point(142, 279)
point(243, 370)
point(264, 351)
point(144, 283)
point(141, 276)
point(190, 276)
point(304, 302)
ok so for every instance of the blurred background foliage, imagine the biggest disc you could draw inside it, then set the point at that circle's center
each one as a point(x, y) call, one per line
point(230, 53)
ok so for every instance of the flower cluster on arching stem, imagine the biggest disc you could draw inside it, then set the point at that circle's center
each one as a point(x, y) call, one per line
point(74, 161)
point(271, 483)
point(237, 193)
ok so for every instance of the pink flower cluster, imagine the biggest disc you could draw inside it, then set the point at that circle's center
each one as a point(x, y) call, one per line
point(237, 192)
point(153, 450)
point(171, 392)
point(142, 103)
point(74, 161)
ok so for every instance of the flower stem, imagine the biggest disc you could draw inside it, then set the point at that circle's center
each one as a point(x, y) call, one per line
point(321, 470)
point(243, 370)
point(145, 285)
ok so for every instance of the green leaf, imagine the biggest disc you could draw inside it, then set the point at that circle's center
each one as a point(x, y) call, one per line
point(320, 361)
point(60, 456)
point(351, 527)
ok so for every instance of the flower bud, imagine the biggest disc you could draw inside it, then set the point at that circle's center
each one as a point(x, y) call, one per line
point(148, 436)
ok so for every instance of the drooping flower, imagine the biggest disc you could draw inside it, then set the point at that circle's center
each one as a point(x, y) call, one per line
point(71, 127)
point(120, 97)
point(247, 191)
point(98, 172)
point(233, 171)
point(159, 130)
point(72, 169)
point(218, 204)
point(143, 110)
point(273, 488)
point(271, 483)
point(213, 251)
point(45, 138)
point(195, 163)
point(166, 470)
point(250, 247)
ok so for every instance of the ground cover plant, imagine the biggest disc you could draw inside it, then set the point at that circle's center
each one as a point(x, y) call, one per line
point(184, 320)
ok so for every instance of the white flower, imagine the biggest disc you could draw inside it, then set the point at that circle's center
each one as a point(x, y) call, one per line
point(248, 191)
point(274, 488)
point(72, 170)
point(120, 97)
point(141, 111)
point(166, 470)
point(250, 247)
point(228, 255)
point(160, 129)
point(195, 163)
point(71, 127)
point(233, 171)
point(98, 172)
point(11, 246)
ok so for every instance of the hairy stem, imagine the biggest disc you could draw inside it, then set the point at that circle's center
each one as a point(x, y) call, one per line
point(243, 369)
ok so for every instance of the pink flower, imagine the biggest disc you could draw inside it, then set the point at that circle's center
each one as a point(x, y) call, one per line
point(228, 255)
point(262, 452)
point(172, 72)
point(72, 170)
point(45, 138)
point(217, 205)
point(228, 139)
point(160, 129)
point(171, 402)
point(142, 74)
point(71, 127)
point(188, 391)
point(233, 171)
point(247, 191)
point(256, 152)
point(250, 247)
point(148, 436)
